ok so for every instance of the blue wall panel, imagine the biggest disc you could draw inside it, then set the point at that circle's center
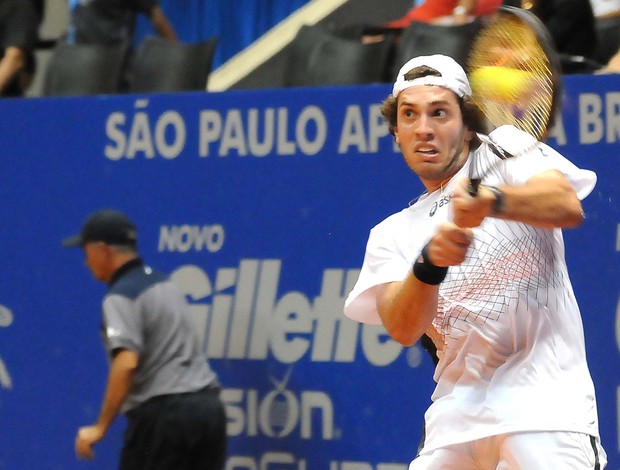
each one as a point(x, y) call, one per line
point(237, 23)
point(259, 203)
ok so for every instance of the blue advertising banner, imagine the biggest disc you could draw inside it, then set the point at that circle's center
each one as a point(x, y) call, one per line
point(259, 204)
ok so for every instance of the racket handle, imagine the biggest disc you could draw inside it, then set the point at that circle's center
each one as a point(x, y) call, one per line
point(474, 184)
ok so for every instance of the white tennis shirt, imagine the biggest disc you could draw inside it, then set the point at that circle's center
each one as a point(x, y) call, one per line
point(508, 328)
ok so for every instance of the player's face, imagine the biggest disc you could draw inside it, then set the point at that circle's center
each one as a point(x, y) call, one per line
point(98, 260)
point(431, 133)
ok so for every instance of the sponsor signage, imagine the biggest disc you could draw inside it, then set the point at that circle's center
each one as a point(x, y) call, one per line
point(258, 204)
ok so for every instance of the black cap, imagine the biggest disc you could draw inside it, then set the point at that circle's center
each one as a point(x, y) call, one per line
point(108, 226)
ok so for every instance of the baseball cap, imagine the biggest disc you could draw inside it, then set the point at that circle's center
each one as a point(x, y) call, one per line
point(452, 77)
point(108, 226)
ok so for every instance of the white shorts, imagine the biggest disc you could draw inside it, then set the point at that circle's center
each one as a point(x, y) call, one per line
point(518, 451)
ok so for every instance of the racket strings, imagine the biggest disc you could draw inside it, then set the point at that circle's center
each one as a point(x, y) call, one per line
point(508, 262)
point(512, 48)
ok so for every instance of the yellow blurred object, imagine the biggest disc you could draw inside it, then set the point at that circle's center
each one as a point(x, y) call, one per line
point(499, 83)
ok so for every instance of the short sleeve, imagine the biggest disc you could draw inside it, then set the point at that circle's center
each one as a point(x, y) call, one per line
point(537, 158)
point(383, 262)
point(144, 6)
point(122, 324)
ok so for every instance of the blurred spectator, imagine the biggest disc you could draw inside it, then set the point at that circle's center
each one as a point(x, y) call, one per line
point(607, 22)
point(571, 25)
point(39, 6)
point(19, 24)
point(112, 21)
point(613, 65)
point(446, 11)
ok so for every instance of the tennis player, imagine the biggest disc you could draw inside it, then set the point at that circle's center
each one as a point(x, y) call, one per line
point(485, 278)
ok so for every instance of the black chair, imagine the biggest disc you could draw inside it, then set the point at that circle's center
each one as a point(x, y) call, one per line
point(419, 39)
point(164, 66)
point(317, 56)
point(578, 64)
point(81, 70)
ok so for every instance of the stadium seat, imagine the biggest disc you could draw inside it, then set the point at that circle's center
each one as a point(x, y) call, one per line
point(164, 66)
point(81, 70)
point(321, 57)
point(425, 39)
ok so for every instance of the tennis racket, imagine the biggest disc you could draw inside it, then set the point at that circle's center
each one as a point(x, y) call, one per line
point(515, 76)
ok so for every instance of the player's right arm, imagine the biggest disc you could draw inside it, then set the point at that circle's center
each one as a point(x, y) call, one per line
point(408, 307)
point(123, 366)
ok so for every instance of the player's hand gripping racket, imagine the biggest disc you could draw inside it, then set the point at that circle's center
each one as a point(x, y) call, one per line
point(515, 76)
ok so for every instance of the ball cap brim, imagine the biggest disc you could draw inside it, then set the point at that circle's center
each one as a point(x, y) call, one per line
point(452, 76)
point(108, 226)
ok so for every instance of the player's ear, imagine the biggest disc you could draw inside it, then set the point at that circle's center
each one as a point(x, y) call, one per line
point(472, 138)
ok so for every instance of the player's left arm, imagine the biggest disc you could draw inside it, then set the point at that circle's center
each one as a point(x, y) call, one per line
point(546, 200)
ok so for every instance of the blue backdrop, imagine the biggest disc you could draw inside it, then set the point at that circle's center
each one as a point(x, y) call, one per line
point(237, 23)
point(259, 204)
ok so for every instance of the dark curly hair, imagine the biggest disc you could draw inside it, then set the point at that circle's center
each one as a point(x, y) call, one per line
point(472, 116)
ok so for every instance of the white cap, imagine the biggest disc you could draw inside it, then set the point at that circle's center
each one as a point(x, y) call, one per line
point(452, 77)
